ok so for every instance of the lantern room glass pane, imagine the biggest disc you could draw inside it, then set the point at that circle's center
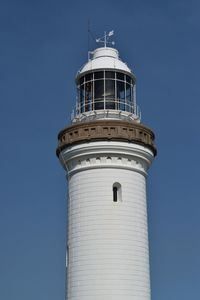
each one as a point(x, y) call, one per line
point(82, 98)
point(109, 89)
point(128, 79)
point(99, 94)
point(88, 77)
point(81, 80)
point(128, 97)
point(121, 95)
point(109, 74)
point(120, 76)
point(88, 95)
point(132, 97)
point(128, 92)
point(98, 75)
point(110, 94)
point(98, 104)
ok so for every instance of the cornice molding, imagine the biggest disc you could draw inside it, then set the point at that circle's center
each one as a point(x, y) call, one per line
point(104, 154)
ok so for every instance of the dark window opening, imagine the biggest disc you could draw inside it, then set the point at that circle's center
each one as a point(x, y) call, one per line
point(114, 194)
point(117, 192)
point(67, 257)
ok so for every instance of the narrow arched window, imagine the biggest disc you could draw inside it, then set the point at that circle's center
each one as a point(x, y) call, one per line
point(117, 192)
point(114, 194)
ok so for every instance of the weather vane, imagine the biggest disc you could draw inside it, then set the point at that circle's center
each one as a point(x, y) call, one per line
point(105, 38)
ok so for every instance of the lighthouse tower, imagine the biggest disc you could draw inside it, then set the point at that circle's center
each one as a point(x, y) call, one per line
point(106, 152)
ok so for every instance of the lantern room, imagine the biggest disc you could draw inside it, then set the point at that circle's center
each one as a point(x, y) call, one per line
point(106, 84)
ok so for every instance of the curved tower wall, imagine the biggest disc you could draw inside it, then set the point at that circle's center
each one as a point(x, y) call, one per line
point(107, 241)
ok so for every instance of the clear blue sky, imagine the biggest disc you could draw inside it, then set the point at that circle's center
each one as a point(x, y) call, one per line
point(43, 44)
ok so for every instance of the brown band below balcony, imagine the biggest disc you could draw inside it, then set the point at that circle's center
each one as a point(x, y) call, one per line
point(101, 130)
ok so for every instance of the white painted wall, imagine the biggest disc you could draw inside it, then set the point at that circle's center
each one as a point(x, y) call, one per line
point(107, 241)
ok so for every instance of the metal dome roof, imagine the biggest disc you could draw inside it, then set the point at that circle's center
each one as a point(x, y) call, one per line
point(105, 58)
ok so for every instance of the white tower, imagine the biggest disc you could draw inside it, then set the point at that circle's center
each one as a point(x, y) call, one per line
point(106, 153)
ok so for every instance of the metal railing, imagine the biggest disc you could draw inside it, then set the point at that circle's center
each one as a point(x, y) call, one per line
point(108, 103)
point(109, 108)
